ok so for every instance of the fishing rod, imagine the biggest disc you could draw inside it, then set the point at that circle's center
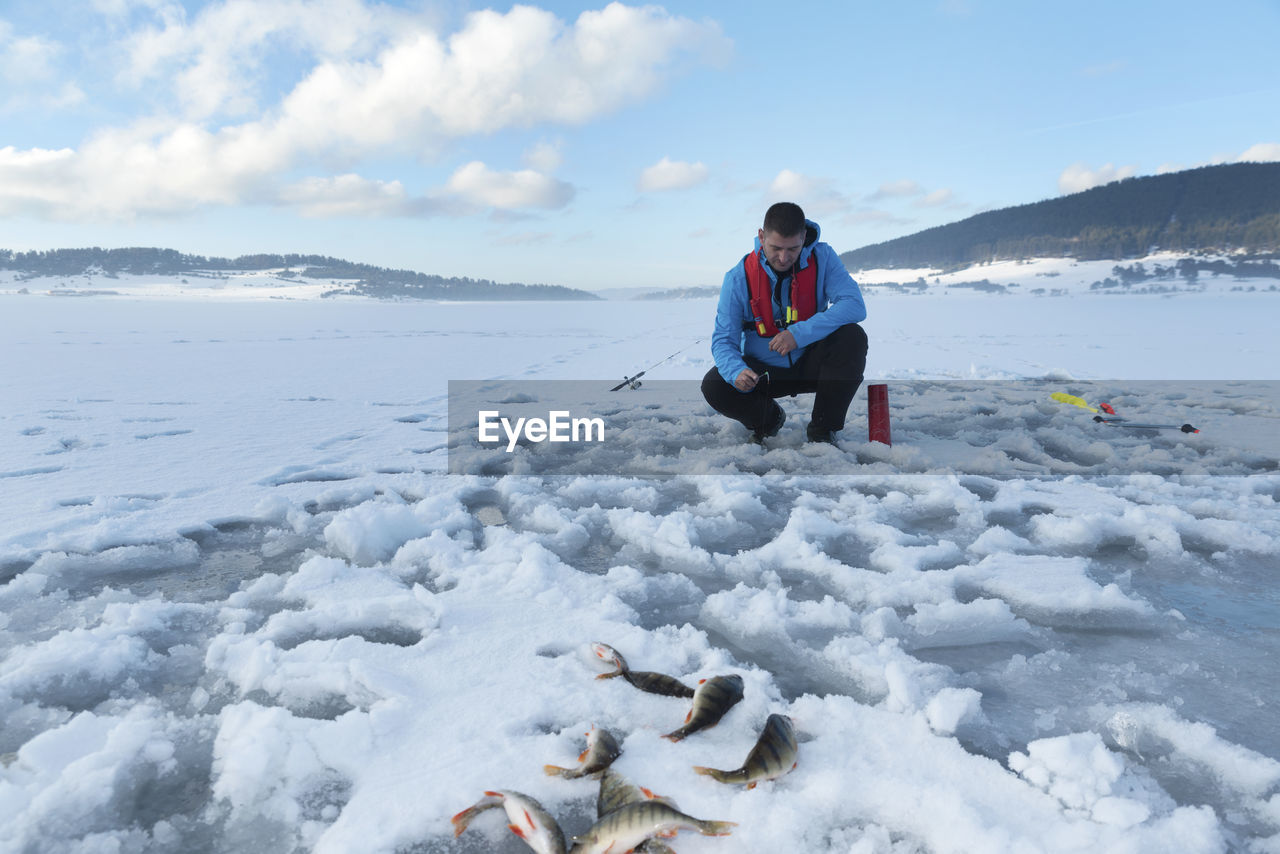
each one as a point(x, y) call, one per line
point(634, 382)
point(1115, 420)
point(1125, 422)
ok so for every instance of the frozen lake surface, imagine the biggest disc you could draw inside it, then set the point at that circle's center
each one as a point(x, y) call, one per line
point(243, 605)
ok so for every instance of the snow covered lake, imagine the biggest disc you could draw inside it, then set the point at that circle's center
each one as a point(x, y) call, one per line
point(243, 605)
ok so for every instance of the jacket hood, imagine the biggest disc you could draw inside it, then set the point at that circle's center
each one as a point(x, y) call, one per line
point(812, 232)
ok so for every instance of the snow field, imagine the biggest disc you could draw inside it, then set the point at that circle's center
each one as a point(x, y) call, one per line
point(1061, 278)
point(360, 702)
point(231, 286)
point(288, 630)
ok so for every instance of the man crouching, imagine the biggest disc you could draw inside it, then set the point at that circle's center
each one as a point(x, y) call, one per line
point(787, 324)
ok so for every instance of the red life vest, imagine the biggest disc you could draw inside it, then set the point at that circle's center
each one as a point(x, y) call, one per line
point(804, 294)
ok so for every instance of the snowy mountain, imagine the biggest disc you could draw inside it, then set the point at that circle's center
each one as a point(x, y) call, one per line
point(1214, 209)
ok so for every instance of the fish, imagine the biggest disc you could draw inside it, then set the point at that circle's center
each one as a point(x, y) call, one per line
point(658, 683)
point(602, 749)
point(609, 655)
point(616, 791)
point(627, 827)
point(773, 755)
point(526, 818)
point(713, 699)
point(645, 680)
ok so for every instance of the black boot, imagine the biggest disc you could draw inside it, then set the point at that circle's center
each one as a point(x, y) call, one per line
point(818, 433)
point(774, 421)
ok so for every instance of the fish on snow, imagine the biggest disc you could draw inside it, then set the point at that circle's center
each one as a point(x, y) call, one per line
point(526, 818)
point(714, 697)
point(616, 791)
point(627, 827)
point(645, 680)
point(774, 754)
point(602, 749)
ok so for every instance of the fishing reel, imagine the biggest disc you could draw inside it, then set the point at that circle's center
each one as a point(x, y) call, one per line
point(634, 382)
point(629, 382)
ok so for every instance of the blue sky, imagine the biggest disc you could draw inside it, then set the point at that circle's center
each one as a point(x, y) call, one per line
point(593, 145)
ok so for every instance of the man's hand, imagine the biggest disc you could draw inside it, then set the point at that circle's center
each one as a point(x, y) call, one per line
point(746, 380)
point(783, 343)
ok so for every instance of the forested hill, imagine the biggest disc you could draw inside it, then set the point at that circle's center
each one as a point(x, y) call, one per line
point(364, 279)
point(1214, 208)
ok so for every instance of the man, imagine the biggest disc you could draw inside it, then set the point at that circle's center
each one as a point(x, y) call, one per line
point(787, 324)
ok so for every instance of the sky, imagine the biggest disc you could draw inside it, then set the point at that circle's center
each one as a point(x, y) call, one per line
point(594, 145)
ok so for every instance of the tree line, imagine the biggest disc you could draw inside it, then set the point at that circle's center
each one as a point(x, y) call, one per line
point(1189, 269)
point(365, 279)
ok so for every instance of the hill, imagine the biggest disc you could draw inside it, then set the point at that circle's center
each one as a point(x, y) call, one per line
point(349, 278)
point(1210, 209)
point(682, 293)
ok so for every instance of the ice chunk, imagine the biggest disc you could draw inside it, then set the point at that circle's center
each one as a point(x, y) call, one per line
point(951, 707)
point(1052, 590)
point(373, 531)
point(1076, 769)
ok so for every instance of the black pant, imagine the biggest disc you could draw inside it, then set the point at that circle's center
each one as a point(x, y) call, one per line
point(830, 370)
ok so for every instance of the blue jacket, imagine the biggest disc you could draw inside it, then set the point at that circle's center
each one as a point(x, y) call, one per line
point(839, 301)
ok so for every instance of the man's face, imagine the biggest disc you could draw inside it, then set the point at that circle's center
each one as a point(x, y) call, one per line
point(781, 252)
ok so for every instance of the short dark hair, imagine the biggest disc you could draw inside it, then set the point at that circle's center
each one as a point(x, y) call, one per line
point(784, 219)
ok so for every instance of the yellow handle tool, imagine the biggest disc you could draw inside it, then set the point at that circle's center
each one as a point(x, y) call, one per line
point(1063, 397)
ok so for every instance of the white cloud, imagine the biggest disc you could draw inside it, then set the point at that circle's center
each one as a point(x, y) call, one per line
point(1079, 177)
point(898, 190)
point(478, 185)
point(818, 196)
point(908, 189)
point(517, 69)
point(153, 170)
point(792, 184)
point(32, 78)
point(349, 195)
point(1263, 152)
point(373, 81)
point(936, 199)
point(669, 174)
point(215, 63)
point(31, 180)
